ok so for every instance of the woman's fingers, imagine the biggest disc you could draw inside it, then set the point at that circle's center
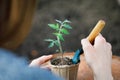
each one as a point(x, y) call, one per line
point(87, 47)
point(99, 41)
point(39, 61)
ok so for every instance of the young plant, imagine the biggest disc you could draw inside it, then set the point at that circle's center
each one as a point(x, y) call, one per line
point(61, 29)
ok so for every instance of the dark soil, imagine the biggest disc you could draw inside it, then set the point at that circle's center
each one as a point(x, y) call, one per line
point(83, 14)
point(61, 61)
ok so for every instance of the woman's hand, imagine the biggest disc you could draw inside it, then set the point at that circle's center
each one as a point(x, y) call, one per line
point(41, 60)
point(98, 57)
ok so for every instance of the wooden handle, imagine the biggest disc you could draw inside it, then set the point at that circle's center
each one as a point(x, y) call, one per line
point(96, 30)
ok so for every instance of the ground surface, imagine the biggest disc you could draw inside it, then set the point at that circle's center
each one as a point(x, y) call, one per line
point(83, 14)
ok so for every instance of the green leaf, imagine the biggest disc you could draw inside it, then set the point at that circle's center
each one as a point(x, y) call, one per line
point(56, 43)
point(58, 21)
point(54, 26)
point(51, 44)
point(67, 26)
point(60, 36)
point(56, 34)
point(49, 40)
point(64, 31)
point(57, 25)
point(66, 21)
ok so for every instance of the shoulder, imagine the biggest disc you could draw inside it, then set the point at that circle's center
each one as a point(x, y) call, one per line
point(15, 68)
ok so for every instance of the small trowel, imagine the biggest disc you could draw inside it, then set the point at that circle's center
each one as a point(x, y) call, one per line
point(96, 30)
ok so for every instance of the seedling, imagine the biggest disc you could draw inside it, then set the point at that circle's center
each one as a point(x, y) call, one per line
point(61, 29)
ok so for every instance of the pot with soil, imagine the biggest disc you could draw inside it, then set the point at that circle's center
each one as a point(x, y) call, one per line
point(62, 65)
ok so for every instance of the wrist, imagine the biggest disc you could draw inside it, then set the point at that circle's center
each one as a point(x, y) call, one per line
point(102, 73)
point(103, 76)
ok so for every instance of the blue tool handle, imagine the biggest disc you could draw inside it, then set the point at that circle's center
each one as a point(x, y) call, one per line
point(76, 57)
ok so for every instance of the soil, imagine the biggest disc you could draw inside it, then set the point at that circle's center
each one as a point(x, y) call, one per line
point(61, 61)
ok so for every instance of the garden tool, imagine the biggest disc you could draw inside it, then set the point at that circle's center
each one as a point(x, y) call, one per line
point(96, 30)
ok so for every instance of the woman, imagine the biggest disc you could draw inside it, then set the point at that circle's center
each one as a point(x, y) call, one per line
point(15, 20)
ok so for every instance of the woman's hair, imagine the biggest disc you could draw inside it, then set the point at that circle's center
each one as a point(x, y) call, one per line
point(15, 21)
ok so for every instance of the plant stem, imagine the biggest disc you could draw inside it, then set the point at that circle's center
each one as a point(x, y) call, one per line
point(60, 45)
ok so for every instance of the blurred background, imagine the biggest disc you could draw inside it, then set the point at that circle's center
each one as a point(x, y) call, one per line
point(84, 14)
